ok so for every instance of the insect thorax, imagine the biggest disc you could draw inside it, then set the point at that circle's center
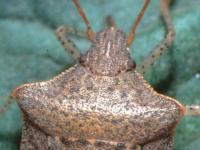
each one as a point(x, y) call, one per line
point(109, 54)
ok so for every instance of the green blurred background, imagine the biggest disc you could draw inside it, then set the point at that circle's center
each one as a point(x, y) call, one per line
point(29, 52)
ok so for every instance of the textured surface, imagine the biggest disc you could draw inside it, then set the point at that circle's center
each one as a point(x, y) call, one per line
point(80, 105)
point(107, 102)
point(29, 52)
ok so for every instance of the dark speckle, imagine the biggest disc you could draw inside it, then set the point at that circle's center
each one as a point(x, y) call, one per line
point(124, 94)
point(114, 121)
point(62, 42)
point(99, 143)
point(72, 52)
point(119, 71)
point(120, 146)
point(110, 89)
point(83, 142)
point(68, 40)
point(65, 142)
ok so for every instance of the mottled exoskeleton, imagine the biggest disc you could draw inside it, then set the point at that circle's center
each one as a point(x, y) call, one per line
point(102, 102)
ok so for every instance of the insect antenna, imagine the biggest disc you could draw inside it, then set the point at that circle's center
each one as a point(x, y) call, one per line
point(136, 22)
point(90, 33)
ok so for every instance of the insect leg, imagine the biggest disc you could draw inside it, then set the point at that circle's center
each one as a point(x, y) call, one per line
point(68, 45)
point(192, 110)
point(165, 43)
point(75, 32)
point(6, 105)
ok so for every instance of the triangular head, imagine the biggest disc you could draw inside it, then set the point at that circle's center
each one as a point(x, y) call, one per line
point(109, 54)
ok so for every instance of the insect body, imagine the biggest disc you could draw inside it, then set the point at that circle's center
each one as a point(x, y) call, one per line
point(106, 104)
point(100, 103)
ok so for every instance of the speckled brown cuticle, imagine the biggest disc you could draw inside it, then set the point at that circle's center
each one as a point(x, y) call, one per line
point(101, 103)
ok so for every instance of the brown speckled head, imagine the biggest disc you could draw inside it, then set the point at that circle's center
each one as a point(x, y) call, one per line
point(109, 54)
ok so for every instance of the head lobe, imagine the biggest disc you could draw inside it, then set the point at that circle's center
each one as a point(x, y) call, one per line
point(109, 54)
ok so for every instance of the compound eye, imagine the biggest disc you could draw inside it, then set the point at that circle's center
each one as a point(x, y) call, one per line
point(131, 64)
point(82, 59)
